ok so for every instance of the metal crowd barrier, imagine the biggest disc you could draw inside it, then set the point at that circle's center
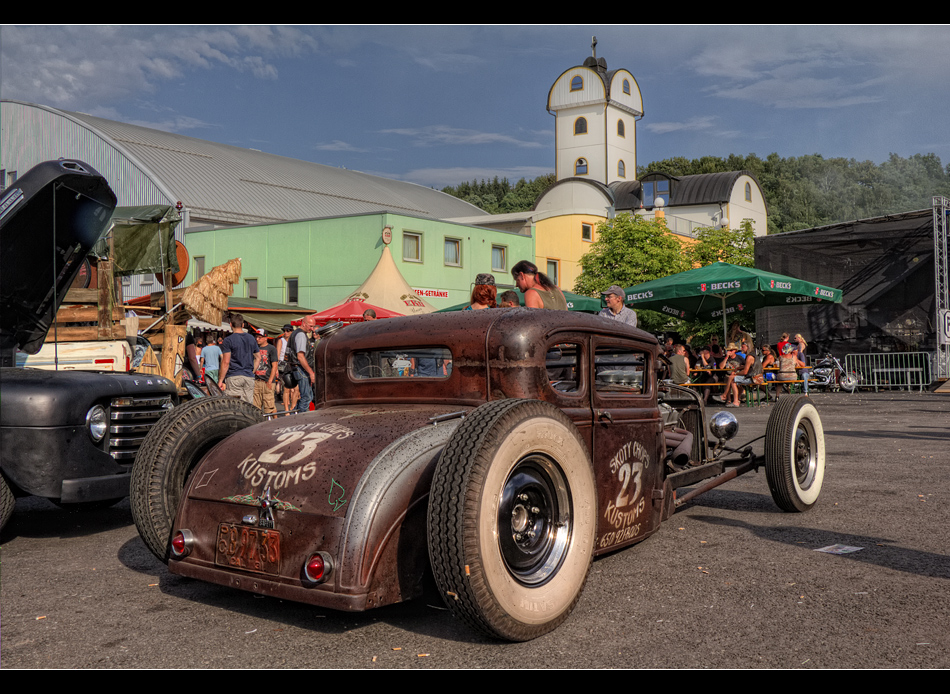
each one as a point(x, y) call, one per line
point(892, 369)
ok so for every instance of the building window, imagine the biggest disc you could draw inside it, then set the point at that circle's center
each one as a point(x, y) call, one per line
point(748, 192)
point(621, 128)
point(580, 167)
point(626, 86)
point(553, 273)
point(453, 252)
point(250, 289)
point(587, 232)
point(577, 83)
point(126, 281)
point(655, 190)
point(499, 259)
point(146, 280)
point(199, 267)
point(580, 126)
point(412, 247)
point(291, 285)
point(621, 169)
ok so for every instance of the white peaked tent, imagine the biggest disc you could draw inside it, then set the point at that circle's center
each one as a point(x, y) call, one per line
point(386, 287)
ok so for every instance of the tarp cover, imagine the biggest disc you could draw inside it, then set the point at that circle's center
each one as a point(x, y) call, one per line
point(143, 240)
point(885, 269)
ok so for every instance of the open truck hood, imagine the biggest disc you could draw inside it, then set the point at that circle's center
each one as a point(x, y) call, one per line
point(49, 219)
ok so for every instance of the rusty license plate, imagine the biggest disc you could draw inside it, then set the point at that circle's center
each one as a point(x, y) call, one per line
point(251, 549)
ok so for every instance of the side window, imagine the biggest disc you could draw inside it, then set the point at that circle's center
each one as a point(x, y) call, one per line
point(563, 363)
point(621, 370)
point(577, 83)
point(580, 126)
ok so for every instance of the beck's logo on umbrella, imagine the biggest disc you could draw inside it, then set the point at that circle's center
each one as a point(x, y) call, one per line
point(702, 287)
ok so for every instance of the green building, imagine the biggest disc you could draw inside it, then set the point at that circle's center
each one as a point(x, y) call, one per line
point(318, 263)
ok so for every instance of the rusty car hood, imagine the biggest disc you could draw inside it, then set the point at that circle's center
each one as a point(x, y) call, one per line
point(311, 463)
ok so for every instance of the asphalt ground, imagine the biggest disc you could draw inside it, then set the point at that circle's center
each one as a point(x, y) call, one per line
point(729, 582)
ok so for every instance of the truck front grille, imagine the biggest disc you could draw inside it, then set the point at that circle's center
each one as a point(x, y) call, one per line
point(132, 418)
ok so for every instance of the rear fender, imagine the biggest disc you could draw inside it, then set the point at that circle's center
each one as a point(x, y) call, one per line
point(384, 544)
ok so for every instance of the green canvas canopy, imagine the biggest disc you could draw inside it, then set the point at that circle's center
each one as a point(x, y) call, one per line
point(143, 240)
point(722, 289)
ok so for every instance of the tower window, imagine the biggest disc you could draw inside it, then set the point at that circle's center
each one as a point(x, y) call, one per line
point(621, 169)
point(580, 126)
point(621, 129)
point(577, 83)
point(748, 192)
point(626, 86)
point(580, 167)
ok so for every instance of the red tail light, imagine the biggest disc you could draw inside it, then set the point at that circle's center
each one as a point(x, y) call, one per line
point(182, 543)
point(318, 567)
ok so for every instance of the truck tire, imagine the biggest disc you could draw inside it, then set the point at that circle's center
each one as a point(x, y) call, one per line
point(512, 519)
point(794, 454)
point(7, 502)
point(170, 452)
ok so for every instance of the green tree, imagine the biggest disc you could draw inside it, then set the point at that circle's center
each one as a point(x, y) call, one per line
point(735, 246)
point(630, 250)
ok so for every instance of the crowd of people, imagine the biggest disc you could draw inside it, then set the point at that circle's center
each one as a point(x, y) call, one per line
point(736, 365)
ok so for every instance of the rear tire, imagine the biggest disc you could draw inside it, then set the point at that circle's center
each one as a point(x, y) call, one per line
point(512, 519)
point(794, 454)
point(170, 452)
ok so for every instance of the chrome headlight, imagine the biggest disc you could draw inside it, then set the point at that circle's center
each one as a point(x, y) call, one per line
point(97, 422)
point(724, 425)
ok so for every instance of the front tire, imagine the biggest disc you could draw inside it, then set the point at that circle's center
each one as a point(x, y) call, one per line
point(7, 502)
point(849, 382)
point(794, 454)
point(512, 519)
point(170, 452)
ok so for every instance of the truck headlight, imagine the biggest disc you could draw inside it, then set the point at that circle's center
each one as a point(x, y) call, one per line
point(97, 422)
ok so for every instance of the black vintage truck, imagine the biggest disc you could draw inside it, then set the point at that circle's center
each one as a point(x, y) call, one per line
point(69, 436)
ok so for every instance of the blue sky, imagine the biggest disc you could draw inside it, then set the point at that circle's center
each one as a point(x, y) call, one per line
point(438, 105)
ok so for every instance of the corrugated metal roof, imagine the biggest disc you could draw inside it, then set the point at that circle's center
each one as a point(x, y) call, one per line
point(229, 185)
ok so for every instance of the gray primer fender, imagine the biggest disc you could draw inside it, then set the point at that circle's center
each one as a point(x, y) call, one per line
point(394, 485)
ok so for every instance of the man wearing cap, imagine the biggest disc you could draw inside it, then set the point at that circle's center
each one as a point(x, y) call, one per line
point(265, 375)
point(615, 309)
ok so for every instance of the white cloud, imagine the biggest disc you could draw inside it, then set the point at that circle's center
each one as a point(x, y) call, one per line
point(80, 67)
point(693, 124)
point(446, 135)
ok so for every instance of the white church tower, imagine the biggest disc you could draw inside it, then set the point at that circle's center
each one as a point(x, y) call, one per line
point(596, 112)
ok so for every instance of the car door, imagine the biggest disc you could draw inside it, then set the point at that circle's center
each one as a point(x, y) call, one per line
point(627, 438)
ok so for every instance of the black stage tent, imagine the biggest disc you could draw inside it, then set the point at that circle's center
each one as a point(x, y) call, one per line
point(885, 269)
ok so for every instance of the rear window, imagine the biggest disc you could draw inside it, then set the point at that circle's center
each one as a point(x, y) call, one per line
point(402, 362)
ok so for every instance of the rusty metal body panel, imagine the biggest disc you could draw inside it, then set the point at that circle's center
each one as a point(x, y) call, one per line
point(352, 478)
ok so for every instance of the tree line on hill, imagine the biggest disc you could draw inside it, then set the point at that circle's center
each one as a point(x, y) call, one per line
point(801, 192)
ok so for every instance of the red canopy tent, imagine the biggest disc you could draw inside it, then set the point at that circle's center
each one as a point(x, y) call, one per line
point(350, 312)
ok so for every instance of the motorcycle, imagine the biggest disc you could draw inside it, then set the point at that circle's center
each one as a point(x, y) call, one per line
point(830, 373)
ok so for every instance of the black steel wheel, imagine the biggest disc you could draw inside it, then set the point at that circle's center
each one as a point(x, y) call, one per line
point(171, 450)
point(512, 519)
point(795, 454)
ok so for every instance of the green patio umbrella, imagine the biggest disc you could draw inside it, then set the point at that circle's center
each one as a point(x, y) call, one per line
point(722, 289)
point(575, 302)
